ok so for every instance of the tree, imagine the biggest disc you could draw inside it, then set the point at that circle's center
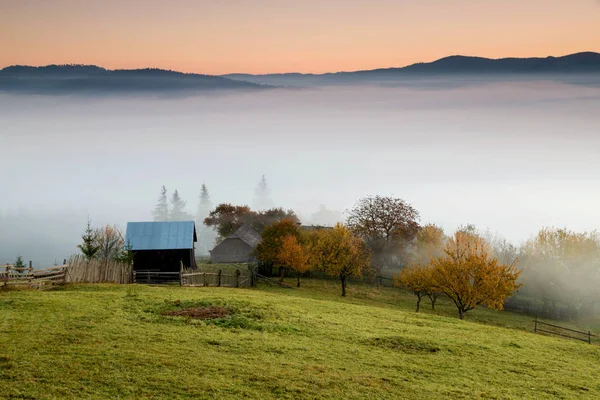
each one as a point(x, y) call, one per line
point(19, 264)
point(501, 248)
point(204, 205)
point(387, 224)
point(268, 250)
point(226, 218)
point(429, 242)
point(126, 254)
point(89, 248)
point(161, 211)
point(206, 236)
point(470, 277)
point(338, 252)
point(326, 217)
point(562, 265)
point(418, 279)
point(178, 209)
point(294, 255)
point(110, 243)
point(262, 195)
point(262, 219)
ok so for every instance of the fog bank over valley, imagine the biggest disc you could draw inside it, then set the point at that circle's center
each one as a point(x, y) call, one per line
point(508, 156)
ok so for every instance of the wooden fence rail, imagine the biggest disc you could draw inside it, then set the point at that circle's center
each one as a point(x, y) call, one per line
point(197, 278)
point(19, 276)
point(545, 327)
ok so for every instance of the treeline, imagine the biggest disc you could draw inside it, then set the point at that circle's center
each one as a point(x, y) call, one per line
point(559, 266)
point(556, 266)
point(215, 223)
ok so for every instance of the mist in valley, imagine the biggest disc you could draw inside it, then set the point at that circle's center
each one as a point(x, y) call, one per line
point(510, 157)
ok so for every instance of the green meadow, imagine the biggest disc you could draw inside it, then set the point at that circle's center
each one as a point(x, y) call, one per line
point(115, 341)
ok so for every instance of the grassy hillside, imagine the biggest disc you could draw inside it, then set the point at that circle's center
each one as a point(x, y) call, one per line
point(111, 341)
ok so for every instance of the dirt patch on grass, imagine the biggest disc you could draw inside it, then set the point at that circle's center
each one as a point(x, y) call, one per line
point(210, 312)
point(404, 344)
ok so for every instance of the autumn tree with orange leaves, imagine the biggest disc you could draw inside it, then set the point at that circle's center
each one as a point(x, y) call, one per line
point(268, 250)
point(338, 252)
point(293, 254)
point(470, 277)
point(418, 279)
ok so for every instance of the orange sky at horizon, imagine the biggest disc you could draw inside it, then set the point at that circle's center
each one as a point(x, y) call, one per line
point(268, 36)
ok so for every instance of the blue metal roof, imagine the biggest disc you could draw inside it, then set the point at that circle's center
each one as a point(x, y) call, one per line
point(161, 235)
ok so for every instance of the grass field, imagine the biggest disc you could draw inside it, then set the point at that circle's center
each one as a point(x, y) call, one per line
point(111, 341)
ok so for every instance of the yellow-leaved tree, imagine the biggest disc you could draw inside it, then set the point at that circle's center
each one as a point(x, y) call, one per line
point(418, 279)
point(470, 277)
point(294, 255)
point(339, 253)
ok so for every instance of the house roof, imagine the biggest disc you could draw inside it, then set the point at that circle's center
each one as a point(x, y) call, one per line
point(248, 235)
point(173, 235)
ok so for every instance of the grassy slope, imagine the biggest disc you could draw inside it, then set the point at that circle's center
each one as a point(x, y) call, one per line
point(109, 341)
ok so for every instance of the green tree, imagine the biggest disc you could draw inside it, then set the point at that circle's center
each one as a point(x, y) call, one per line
point(126, 254)
point(161, 211)
point(89, 248)
point(19, 264)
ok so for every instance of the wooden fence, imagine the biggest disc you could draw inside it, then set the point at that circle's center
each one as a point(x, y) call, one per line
point(237, 278)
point(156, 277)
point(551, 329)
point(543, 309)
point(42, 278)
point(81, 270)
point(77, 270)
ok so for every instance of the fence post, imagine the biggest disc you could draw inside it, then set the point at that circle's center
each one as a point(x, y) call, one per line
point(535, 324)
point(180, 273)
point(237, 278)
point(204, 278)
point(589, 337)
point(220, 278)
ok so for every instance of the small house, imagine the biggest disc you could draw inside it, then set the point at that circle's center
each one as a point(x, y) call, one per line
point(162, 246)
point(237, 248)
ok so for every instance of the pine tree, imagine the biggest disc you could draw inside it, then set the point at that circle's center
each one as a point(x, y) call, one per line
point(161, 211)
point(20, 264)
point(262, 195)
point(178, 209)
point(206, 236)
point(204, 205)
point(89, 248)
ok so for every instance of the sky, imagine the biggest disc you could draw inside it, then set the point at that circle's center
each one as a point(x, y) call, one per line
point(263, 36)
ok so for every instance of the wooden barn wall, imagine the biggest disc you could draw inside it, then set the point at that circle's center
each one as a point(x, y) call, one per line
point(163, 260)
point(232, 251)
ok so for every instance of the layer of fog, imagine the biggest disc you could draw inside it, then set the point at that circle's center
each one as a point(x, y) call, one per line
point(511, 157)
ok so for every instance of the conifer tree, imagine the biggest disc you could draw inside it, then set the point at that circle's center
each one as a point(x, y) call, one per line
point(262, 195)
point(89, 248)
point(177, 212)
point(204, 205)
point(161, 211)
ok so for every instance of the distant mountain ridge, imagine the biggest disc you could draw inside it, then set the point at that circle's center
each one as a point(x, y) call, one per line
point(75, 78)
point(586, 62)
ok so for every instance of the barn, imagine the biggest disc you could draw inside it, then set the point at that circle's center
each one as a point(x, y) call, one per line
point(162, 246)
point(237, 248)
